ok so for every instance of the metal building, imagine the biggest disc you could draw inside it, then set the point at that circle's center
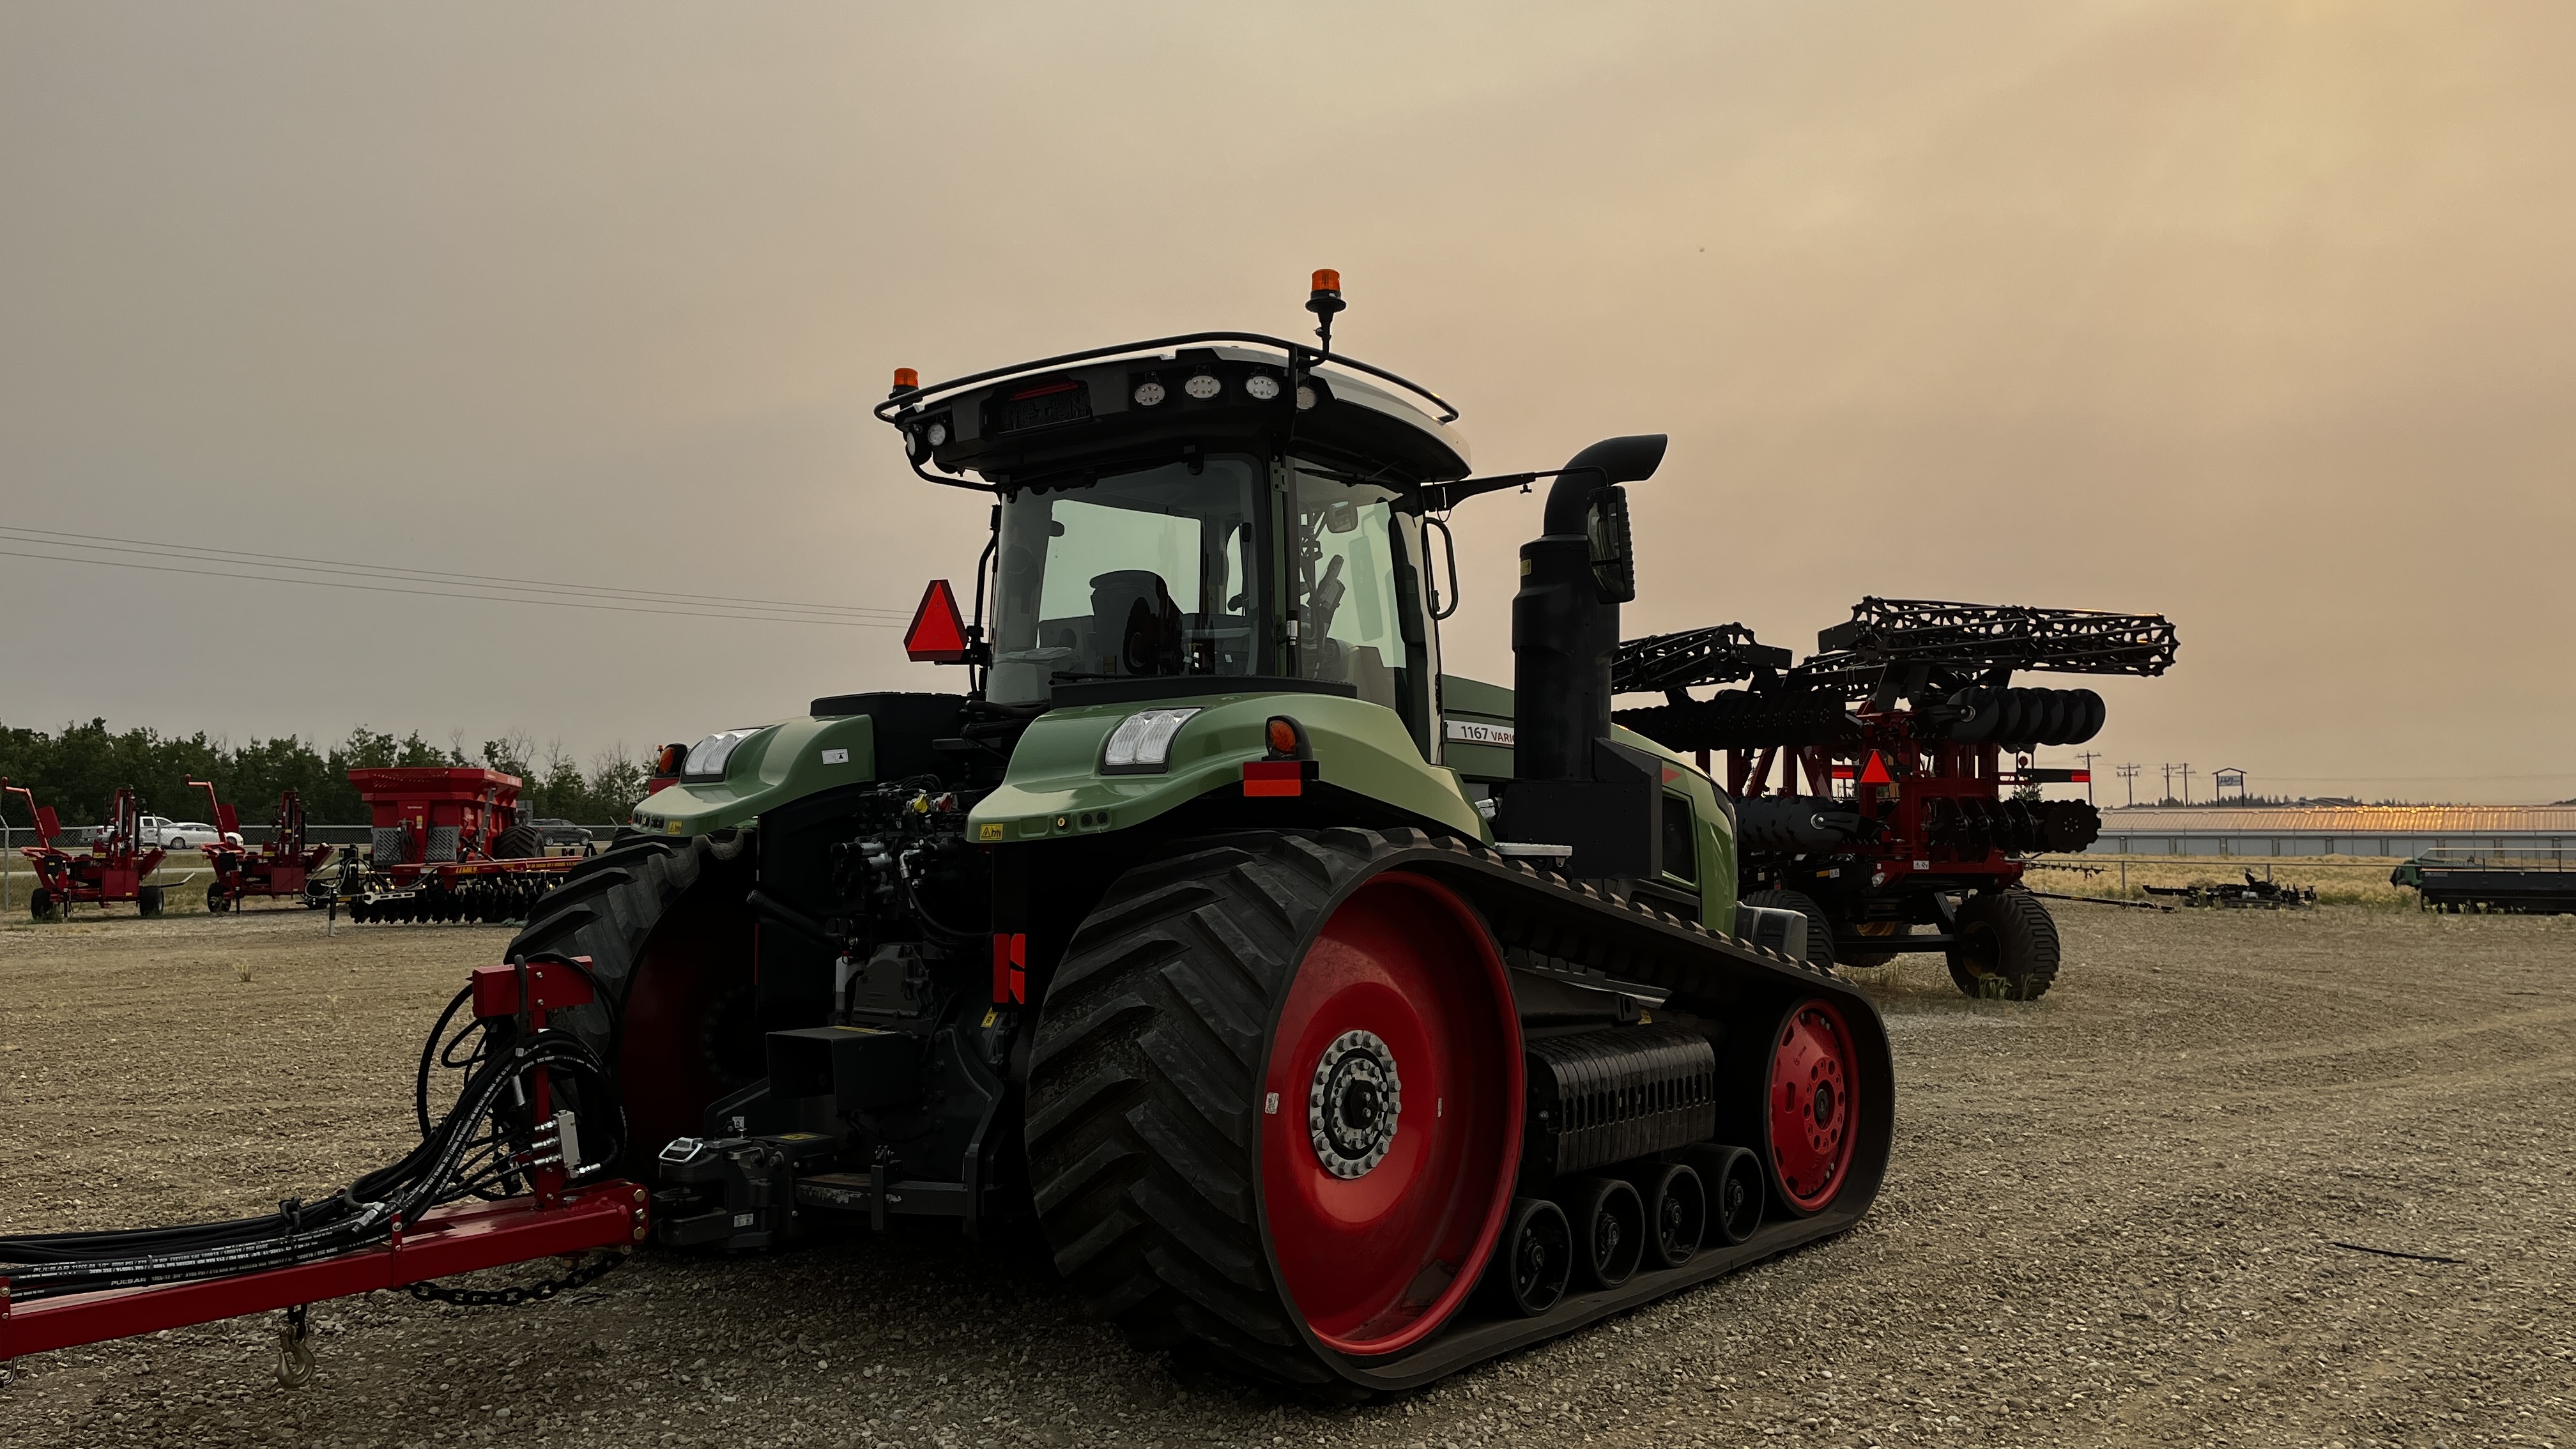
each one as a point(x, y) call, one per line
point(2400, 831)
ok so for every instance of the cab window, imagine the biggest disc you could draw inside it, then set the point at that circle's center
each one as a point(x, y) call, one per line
point(1346, 554)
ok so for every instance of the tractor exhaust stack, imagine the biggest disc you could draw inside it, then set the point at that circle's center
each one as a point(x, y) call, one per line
point(1571, 785)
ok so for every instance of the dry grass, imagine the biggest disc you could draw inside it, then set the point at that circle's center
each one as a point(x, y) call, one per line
point(2353, 880)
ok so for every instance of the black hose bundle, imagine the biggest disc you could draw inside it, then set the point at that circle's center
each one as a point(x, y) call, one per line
point(471, 1150)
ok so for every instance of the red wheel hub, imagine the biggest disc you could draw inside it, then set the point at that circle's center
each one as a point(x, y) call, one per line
point(1811, 1113)
point(1391, 1116)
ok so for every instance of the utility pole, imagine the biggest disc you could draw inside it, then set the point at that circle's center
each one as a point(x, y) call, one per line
point(2088, 757)
point(2167, 798)
point(2186, 782)
point(2129, 777)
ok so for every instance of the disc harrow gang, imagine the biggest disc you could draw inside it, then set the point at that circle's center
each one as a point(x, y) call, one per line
point(1886, 782)
point(448, 847)
point(457, 896)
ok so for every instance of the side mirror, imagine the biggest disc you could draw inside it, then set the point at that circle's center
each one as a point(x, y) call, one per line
point(1614, 562)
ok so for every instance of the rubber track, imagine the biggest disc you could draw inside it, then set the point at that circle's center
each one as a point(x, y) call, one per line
point(1143, 1130)
point(607, 908)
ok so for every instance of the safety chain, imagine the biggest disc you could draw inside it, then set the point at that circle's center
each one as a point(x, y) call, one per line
point(518, 1293)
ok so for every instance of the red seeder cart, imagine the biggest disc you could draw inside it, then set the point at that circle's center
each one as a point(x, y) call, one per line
point(280, 867)
point(448, 846)
point(112, 869)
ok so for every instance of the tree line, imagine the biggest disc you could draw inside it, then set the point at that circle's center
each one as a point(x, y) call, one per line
point(79, 769)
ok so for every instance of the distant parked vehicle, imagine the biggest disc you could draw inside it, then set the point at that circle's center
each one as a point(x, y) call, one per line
point(185, 834)
point(561, 832)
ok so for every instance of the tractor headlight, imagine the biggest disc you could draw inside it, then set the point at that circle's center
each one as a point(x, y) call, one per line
point(1142, 743)
point(708, 757)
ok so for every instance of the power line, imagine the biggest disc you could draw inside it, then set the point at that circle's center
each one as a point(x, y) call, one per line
point(747, 617)
point(153, 548)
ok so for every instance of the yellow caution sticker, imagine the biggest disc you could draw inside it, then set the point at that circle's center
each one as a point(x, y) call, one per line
point(990, 830)
point(676, 828)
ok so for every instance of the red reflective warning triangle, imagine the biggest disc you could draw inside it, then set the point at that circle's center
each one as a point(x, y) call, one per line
point(938, 632)
point(1010, 968)
point(1875, 772)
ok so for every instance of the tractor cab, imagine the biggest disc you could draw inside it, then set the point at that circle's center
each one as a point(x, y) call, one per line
point(1212, 513)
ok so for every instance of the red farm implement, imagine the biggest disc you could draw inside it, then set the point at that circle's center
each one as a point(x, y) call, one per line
point(280, 866)
point(526, 1134)
point(1883, 787)
point(113, 868)
point(447, 846)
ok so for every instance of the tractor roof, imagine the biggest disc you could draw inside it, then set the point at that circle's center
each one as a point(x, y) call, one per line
point(1143, 404)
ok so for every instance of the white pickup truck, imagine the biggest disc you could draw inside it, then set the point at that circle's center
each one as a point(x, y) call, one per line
point(184, 834)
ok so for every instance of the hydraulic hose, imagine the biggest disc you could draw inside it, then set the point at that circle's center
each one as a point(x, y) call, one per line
point(438, 1170)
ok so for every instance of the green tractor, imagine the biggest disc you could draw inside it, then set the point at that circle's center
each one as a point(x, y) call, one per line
point(1326, 1014)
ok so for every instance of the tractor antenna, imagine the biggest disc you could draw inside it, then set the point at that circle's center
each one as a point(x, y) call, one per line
point(1324, 301)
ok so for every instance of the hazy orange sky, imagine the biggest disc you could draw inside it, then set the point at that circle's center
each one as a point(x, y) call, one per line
point(2256, 314)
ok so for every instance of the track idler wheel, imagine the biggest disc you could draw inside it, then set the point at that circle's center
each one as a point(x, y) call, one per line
point(1733, 1179)
point(1676, 1212)
point(1275, 1104)
point(1610, 1228)
point(1810, 1123)
point(1401, 986)
point(1531, 1269)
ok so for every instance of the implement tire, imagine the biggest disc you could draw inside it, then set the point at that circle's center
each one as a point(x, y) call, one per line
point(670, 944)
point(1863, 960)
point(2007, 947)
point(1221, 1065)
point(1820, 929)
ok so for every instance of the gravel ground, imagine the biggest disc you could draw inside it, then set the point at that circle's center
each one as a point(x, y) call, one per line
point(2116, 1215)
